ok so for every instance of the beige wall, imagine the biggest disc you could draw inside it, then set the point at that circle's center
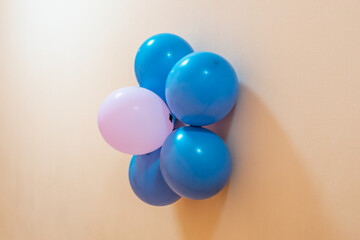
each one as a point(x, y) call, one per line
point(294, 135)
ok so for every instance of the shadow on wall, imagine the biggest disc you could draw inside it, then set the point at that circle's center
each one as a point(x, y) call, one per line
point(269, 195)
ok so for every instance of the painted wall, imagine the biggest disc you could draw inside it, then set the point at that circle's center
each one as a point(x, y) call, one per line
point(294, 134)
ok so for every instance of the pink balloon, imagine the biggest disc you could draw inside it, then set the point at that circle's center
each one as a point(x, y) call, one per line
point(134, 120)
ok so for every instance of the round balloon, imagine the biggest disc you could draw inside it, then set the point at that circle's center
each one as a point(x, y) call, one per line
point(195, 162)
point(155, 58)
point(134, 120)
point(201, 88)
point(147, 181)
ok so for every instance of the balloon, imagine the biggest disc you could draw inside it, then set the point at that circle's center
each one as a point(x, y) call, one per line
point(134, 120)
point(147, 182)
point(155, 58)
point(195, 162)
point(201, 88)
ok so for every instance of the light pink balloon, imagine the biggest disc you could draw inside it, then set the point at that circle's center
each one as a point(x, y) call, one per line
point(134, 120)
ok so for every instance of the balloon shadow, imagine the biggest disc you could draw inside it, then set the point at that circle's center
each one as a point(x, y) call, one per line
point(198, 218)
point(269, 196)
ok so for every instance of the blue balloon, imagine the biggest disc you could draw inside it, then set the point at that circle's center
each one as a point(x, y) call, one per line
point(195, 162)
point(147, 181)
point(201, 88)
point(155, 58)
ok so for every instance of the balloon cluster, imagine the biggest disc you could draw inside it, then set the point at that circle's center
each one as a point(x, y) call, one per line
point(176, 84)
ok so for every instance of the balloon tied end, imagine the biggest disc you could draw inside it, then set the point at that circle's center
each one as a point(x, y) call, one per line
point(170, 117)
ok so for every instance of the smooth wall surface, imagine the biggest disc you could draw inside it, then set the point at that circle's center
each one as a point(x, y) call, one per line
point(294, 134)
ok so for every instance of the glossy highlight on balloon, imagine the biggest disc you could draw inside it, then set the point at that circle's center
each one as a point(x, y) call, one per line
point(134, 120)
point(147, 181)
point(195, 162)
